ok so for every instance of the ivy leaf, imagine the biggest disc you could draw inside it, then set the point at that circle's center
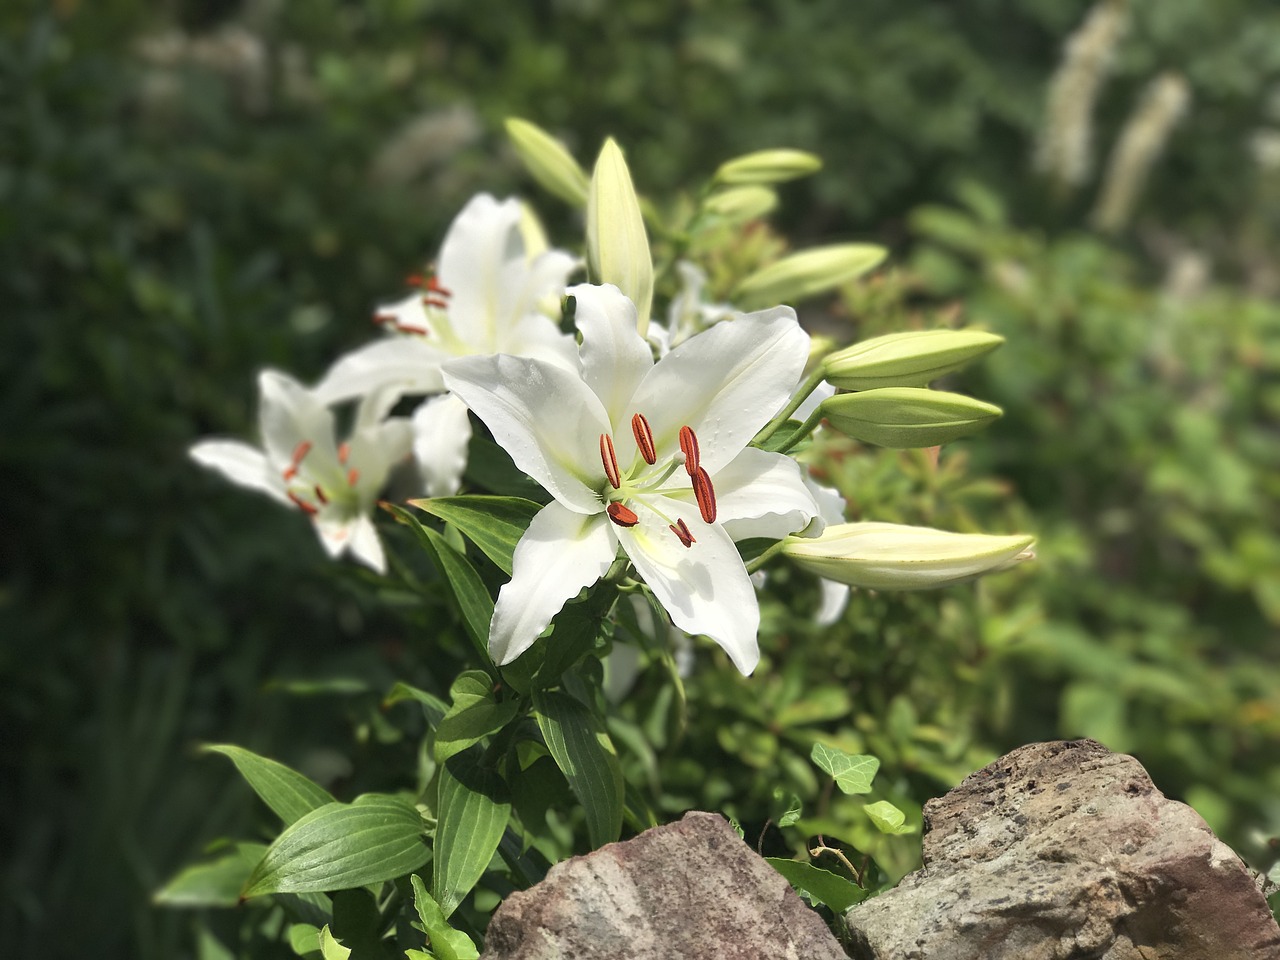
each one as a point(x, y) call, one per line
point(343, 845)
point(792, 813)
point(473, 812)
point(853, 773)
point(494, 524)
point(820, 885)
point(888, 818)
point(582, 750)
point(288, 793)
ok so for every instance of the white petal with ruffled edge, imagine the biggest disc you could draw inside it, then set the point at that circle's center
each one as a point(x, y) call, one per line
point(726, 383)
point(546, 418)
point(441, 432)
point(560, 553)
point(705, 587)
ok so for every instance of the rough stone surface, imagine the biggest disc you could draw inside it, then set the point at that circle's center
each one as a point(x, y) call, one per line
point(688, 889)
point(1067, 850)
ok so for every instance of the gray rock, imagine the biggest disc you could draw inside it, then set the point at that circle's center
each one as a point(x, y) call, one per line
point(1067, 850)
point(688, 889)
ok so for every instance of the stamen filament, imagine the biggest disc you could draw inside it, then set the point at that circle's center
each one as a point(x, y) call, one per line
point(610, 461)
point(622, 515)
point(705, 494)
point(644, 438)
point(689, 447)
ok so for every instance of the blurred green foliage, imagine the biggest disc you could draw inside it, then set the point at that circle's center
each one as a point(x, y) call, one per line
point(191, 191)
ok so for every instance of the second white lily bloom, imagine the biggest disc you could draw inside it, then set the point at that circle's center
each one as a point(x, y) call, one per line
point(651, 457)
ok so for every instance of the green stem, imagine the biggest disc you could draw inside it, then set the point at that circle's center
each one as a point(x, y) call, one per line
point(803, 430)
point(765, 557)
point(807, 387)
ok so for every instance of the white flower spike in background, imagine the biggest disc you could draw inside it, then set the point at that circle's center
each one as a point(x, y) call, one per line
point(336, 485)
point(652, 457)
point(486, 296)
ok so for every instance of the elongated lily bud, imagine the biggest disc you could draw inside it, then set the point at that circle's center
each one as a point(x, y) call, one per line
point(739, 204)
point(911, 359)
point(548, 162)
point(768, 166)
point(617, 244)
point(891, 556)
point(807, 273)
point(907, 416)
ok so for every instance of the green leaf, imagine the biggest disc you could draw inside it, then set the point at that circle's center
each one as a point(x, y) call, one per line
point(792, 813)
point(473, 812)
point(330, 948)
point(288, 793)
point(343, 845)
point(888, 818)
point(304, 939)
point(821, 885)
point(432, 706)
point(494, 524)
point(213, 884)
point(465, 584)
point(475, 714)
point(445, 942)
point(491, 468)
point(582, 749)
point(853, 772)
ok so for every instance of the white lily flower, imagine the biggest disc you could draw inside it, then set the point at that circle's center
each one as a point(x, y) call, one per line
point(485, 297)
point(689, 313)
point(335, 485)
point(650, 457)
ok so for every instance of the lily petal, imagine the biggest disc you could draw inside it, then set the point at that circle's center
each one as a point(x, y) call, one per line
point(705, 588)
point(545, 417)
point(242, 464)
point(560, 553)
point(526, 283)
point(441, 432)
point(615, 358)
point(762, 494)
point(291, 414)
point(726, 383)
point(834, 597)
point(399, 365)
point(538, 338)
point(366, 546)
point(481, 239)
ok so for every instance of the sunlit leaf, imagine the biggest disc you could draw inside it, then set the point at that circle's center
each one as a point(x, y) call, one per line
point(853, 773)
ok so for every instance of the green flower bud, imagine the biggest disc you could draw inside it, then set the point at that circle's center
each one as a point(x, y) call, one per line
point(548, 162)
point(617, 244)
point(768, 166)
point(807, 273)
point(906, 416)
point(907, 359)
point(739, 204)
point(891, 556)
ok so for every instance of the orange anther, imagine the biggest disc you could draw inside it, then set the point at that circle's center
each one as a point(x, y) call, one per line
point(705, 494)
point(307, 508)
point(644, 438)
point(689, 446)
point(621, 515)
point(681, 530)
point(610, 461)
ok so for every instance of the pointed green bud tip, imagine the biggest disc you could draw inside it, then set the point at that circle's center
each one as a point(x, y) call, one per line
point(906, 416)
point(617, 243)
point(808, 273)
point(911, 359)
point(740, 204)
point(548, 162)
point(892, 556)
point(768, 166)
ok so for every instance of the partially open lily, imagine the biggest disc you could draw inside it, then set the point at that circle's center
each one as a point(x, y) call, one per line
point(486, 296)
point(302, 466)
point(652, 457)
